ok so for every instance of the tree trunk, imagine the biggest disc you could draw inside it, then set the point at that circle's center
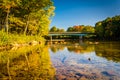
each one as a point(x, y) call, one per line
point(1, 25)
point(27, 23)
point(6, 22)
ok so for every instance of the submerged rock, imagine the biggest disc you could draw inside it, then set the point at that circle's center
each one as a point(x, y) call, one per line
point(60, 77)
point(107, 73)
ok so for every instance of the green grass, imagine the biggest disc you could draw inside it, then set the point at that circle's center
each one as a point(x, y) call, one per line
point(7, 39)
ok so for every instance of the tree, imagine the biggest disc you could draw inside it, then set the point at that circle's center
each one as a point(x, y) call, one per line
point(99, 30)
point(70, 29)
point(88, 29)
point(109, 28)
point(29, 17)
point(78, 28)
point(81, 28)
point(53, 29)
point(61, 30)
point(6, 6)
point(30, 7)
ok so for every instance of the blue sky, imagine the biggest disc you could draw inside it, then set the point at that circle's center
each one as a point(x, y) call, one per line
point(83, 12)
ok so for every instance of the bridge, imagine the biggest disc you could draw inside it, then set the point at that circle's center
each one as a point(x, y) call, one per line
point(80, 34)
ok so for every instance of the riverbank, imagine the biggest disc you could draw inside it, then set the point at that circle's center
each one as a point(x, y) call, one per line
point(15, 40)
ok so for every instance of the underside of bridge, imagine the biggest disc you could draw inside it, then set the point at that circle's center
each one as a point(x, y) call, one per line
point(60, 36)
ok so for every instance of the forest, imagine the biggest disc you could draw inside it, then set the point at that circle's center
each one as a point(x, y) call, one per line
point(24, 17)
point(108, 29)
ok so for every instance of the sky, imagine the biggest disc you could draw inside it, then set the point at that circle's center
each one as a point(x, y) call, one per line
point(83, 12)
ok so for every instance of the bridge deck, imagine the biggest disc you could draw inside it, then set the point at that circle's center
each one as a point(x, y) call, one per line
point(69, 33)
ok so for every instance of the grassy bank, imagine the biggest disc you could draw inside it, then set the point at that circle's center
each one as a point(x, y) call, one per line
point(7, 39)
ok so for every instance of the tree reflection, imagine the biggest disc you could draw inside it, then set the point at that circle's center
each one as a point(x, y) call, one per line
point(29, 63)
point(81, 49)
point(110, 51)
point(73, 48)
point(56, 48)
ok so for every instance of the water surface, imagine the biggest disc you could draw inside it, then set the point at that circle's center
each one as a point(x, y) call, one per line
point(66, 61)
point(26, 63)
point(86, 61)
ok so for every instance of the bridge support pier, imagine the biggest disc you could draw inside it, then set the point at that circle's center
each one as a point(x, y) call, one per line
point(50, 39)
point(80, 37)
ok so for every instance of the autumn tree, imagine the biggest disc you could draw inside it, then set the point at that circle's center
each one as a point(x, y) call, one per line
point(81, 28)
point(88, 29)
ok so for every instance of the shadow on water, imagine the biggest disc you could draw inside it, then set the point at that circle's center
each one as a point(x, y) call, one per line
point(26, 63)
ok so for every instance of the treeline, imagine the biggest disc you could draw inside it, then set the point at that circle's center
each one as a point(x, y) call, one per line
point(29, 17)
point(81, 28)
point(55, 29)
point(108, 29)
point(76, 28)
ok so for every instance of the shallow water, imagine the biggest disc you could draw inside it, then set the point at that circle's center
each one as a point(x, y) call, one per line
point(68, 61)
point(86, 61)
point(26, 63)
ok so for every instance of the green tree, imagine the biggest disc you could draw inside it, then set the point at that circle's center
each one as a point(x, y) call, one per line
point(30, 17)
point(32, 7)
point(99, 29)
point(109, 28)
point(70, 29)
point(53, 29)
point(6, 6)
point(88, 29)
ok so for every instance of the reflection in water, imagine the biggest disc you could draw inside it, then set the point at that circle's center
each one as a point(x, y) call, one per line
point(72, 62)
point(73, 48)
point(26, 63)
point(109, 50)
point(92, 63)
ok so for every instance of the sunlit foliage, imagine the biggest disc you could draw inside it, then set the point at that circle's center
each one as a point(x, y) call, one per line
point(6, 40)
point(31, 17)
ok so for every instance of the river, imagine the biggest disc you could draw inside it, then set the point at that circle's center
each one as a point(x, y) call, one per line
point(62, 61)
